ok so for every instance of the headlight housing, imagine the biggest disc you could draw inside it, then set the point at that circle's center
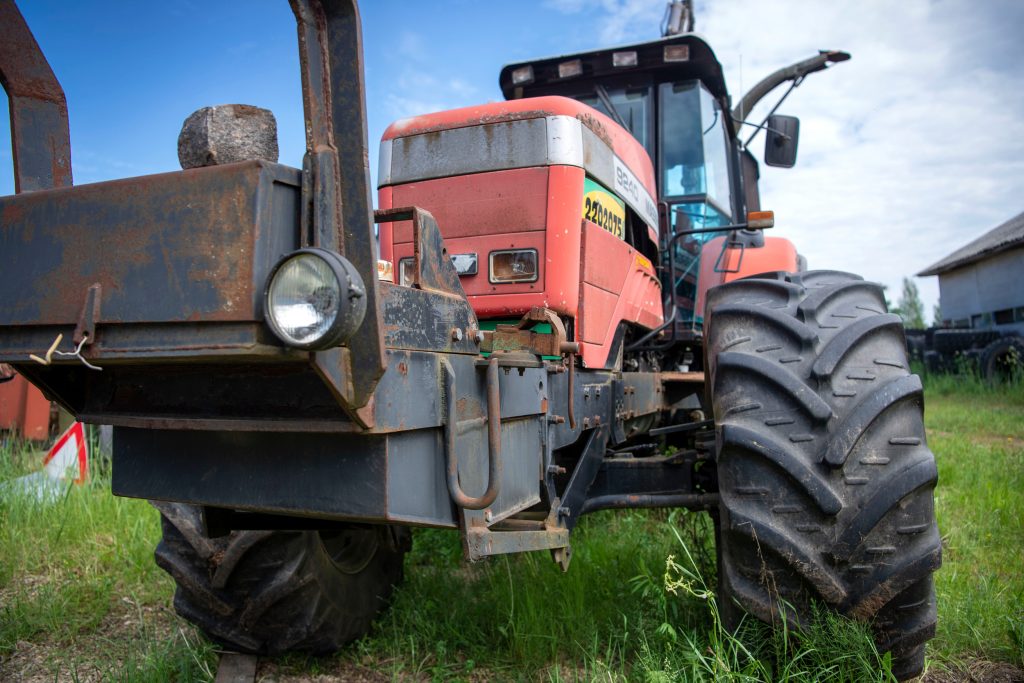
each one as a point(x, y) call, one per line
point(513, 265)
point(315, 299)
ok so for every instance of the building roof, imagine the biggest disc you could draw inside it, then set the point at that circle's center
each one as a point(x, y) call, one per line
point(1000, 238)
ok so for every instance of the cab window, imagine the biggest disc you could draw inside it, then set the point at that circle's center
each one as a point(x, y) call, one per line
point(694, 159)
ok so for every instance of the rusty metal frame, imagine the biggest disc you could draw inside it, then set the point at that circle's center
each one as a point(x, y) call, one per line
point(337, 212)
point(347, 465)
point(40, 137)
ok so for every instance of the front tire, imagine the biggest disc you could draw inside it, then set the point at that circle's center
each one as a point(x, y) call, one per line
point(825, 477)
point(270, 592)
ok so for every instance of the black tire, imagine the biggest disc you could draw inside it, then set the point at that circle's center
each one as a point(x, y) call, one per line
point(270, 592)
point(824, 474)
point(949, 342)
point(1002, 360)
point(916, 344)
point(933, 363)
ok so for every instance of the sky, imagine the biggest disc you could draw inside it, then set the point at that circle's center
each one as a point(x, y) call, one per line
point(908, 151)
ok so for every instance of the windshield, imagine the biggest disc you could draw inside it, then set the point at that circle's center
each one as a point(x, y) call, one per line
point(633, 106)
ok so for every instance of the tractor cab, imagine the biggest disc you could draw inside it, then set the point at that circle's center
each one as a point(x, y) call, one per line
point(671, 95)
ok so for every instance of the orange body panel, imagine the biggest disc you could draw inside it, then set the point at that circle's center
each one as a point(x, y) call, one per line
point(514, 209)
point(24, 409)
point(564, 238)
point(622, 142)
point(777, 253)
point(618, 284)
point(585, 273)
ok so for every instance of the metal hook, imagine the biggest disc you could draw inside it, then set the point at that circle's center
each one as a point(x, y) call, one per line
point(77, 353)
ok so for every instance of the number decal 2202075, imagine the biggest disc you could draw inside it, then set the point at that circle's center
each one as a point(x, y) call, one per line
point(603, 208)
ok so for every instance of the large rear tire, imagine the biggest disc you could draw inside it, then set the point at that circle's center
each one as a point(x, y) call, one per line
point(270, 592)
point(825, 477)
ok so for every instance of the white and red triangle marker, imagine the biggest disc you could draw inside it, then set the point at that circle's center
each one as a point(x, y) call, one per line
point(70, 453)
point(67, 463)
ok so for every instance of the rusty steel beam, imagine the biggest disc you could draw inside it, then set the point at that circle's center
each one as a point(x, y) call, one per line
point(40, 137)
point(336, 209)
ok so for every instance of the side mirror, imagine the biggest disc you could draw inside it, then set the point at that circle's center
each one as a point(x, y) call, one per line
point(783, 133)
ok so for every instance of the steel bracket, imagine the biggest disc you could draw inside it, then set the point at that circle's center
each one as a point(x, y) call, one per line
point(85, 331)
point(515, 536)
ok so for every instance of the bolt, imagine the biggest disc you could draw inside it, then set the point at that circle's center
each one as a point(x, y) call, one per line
point(597, 392)
point(597, 419)
point(478, 337)
point(456, 334)
point(564, 512)
point(556, 419)
point(586, 422)
point(488, 516)
point(555, 469)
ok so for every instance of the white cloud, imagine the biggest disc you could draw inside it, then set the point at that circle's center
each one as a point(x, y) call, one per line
point(410, 45)
point(908, 151)
point(417, 91)
point(621, 20)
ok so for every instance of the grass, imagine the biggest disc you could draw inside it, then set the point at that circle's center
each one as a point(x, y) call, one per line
point(979, 444)
point(79, 571)
point(81, 599)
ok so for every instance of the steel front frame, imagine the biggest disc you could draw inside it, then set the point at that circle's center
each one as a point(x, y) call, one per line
point(422, 419)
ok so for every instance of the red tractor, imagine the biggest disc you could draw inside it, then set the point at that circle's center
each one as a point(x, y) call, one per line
point(575, 309)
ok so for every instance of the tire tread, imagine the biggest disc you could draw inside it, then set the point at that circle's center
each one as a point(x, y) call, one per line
point(832, 437)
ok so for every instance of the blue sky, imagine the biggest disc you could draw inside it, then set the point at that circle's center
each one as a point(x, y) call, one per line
point(908, 151)
point(133, 71)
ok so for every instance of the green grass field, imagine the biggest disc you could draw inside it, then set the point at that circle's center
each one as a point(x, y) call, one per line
point(81, 599)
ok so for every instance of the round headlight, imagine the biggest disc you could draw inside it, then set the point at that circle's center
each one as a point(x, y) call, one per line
point(315, 299)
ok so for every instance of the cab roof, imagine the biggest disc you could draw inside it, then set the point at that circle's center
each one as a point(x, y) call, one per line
point(700, 63)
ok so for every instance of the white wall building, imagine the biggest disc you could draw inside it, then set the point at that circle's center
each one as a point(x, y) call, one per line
point(981, 284)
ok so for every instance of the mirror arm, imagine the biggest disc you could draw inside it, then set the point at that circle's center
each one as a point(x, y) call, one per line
point(818, 62)
point(764, 126)
point(796, 82)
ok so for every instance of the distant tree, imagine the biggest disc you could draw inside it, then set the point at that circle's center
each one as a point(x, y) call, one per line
point(888, 304)
point(910, 307)
point(937, 314)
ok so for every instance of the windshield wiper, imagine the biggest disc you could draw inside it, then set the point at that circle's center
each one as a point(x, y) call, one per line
point(602, 95)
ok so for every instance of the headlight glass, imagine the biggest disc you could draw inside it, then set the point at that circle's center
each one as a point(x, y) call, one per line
point(405, 272)
point(514, 265)
point(304, 298)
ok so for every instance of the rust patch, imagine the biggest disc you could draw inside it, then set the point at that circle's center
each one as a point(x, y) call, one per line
point(591, 122)
point(409, 127)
